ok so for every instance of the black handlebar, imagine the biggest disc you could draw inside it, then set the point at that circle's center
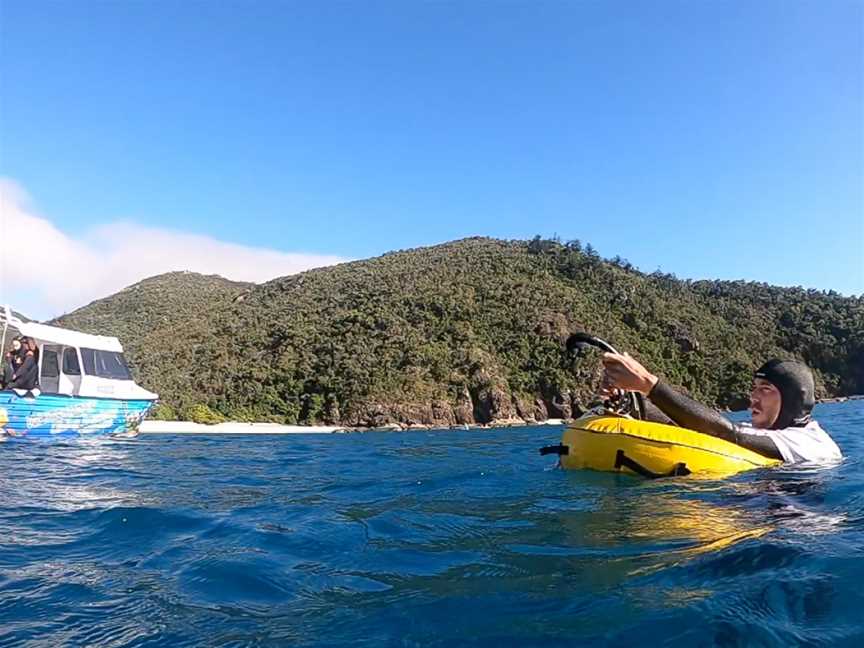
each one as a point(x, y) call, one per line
point(580, 340)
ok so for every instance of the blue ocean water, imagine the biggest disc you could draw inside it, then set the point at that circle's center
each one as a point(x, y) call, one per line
point(419, 539)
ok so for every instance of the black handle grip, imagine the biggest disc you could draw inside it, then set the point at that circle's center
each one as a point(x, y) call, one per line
point(581, 339)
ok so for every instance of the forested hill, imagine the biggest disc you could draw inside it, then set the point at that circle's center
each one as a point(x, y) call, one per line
point(469, 331)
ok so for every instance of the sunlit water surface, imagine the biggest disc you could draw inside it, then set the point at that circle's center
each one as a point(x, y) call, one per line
point(419, 539)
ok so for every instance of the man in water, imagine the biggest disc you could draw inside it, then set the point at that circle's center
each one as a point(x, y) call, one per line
point(781, 400)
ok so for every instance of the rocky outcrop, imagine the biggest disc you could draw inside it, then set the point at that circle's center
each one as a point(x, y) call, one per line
point(379, 415)
point(463, 410)
point(489, 405)
point(492, 403)
point(530, 408)
point(559, 405)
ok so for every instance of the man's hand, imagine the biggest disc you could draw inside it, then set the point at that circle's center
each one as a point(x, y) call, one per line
point(623, 372)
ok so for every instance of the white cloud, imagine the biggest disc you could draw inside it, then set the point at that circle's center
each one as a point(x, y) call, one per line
point(45, 272)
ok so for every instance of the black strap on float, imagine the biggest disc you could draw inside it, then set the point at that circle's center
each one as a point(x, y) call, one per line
point(622, 460)
point(556, 450)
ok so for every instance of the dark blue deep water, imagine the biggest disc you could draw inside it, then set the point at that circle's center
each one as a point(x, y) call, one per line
point(419, 539)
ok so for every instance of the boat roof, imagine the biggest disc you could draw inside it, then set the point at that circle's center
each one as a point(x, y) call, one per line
point(57, 335)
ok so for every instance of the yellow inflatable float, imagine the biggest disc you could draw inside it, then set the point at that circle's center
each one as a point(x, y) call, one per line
point(620, 444)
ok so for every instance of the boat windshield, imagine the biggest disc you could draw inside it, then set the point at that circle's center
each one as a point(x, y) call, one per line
point(105, 364)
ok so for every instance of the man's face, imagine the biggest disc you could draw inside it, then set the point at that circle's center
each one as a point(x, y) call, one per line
point(765, 403)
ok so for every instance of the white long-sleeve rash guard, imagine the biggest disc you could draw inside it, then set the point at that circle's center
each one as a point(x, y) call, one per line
point(808, 444)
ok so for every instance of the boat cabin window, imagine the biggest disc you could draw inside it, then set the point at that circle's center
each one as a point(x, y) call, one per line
point(50, 365)
point(105, 364)
point(70, 362)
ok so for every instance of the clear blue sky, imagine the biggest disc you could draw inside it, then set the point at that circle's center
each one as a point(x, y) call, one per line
point(709, 139)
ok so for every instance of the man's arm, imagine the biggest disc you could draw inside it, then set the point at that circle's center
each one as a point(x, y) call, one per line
point(690, 414)
point(624, 372)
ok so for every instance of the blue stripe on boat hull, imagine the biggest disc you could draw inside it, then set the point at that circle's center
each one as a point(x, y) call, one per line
point(52, 415)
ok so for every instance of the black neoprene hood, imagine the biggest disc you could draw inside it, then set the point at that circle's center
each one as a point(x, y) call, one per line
point(794, 380)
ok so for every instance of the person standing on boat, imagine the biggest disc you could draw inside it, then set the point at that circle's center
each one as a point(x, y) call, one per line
point(26, 375)
point(781, 400)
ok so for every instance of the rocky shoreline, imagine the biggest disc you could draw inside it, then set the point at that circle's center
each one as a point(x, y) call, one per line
point(380, 418)
point(490, 406)
point(235, 427)
point(841, 399)
point(503, 423)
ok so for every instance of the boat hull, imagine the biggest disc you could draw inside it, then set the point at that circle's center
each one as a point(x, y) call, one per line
point(57, 415)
